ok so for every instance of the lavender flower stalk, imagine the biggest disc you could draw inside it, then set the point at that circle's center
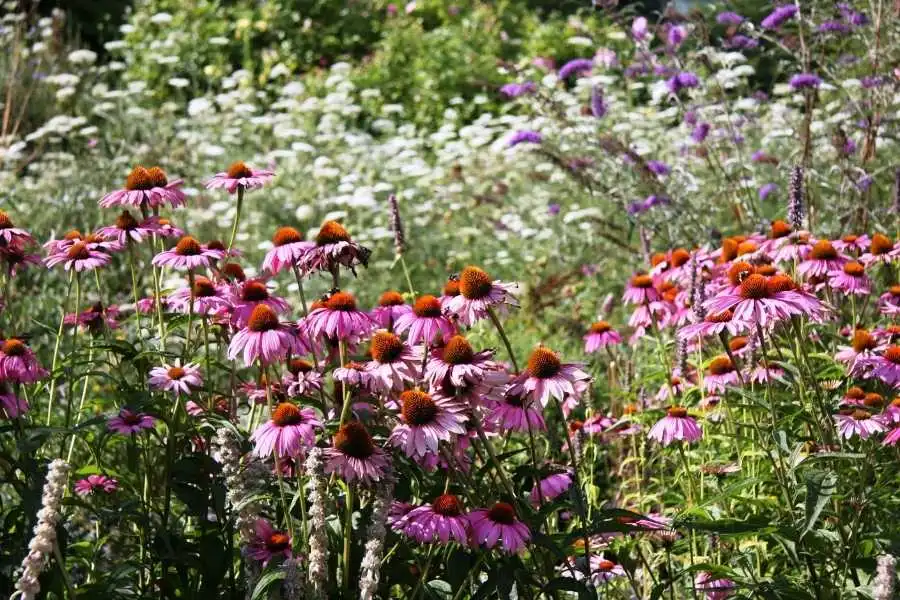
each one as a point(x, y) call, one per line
point(294, 582)
point(237, 481)
point(397, 226)
point(795, 202)
point(885, 577)
point(371, 562)
point(44, 540)
point(318, 539)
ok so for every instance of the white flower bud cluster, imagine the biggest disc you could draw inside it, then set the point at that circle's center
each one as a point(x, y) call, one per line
point(318, 537)
point(371, 562)
point(238, 478)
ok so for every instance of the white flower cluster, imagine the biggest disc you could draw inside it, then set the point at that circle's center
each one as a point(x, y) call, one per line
point(44, 539)
point(318, 537)
point(371, 562)
point(885, 578)
point(238, 481)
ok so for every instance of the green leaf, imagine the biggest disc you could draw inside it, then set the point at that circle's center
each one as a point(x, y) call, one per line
point(259, 592)
point(820, 486)
point(567, 584)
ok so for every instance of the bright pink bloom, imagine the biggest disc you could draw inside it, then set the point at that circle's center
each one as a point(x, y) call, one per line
point(356, 375)
point(442, 520)
point(859, 422)
point(390, 306)
point(885, 367)
point(675, 426)
point(881, 250)
point(851, 279)
point(339, 319)
point(11, 406)
point(425, 323)
point(287, 251)
point(127, 229)
point(721, 374)
point(188, 254)
point(96, 483)
point(426, 423)
point(301, 378)
point(822, 259)
point(546, 376)
point(290, 429)
point(889, 302)
point(478, 294)
point(713, 324)
point(78, 257)
point(499, 524)
point(892, 437)
point(96, 319)
point(852, 243)
point(600, 335)
point(640, 290)
point(551, 487)
point(758, 302)
point(240, 175)
point(128, 422)
point(333, 248)
point(209, 298)
point(458, 363)
point(602, 569)
point(11, 235)
point(714, 588)
point(178, 379)
point(18, 362)
point(247, 295)
point(354, 457)
point(264, 339)
point(394, 363)
point(268, 543)
point(147, 188)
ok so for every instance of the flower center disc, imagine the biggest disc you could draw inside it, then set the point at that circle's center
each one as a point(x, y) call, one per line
point(341, 301)
point(600, 327)
point(130, 418)
point(779, 283)
point(451, 288)
point(239, 170)
point(855, 393)
point(861, 415)
point(254, 291)
point(739, 271)
point(720, 365)
point(386, 347)
point(286, 414)
point(157, 177)
point(5, 222)
point(139, 179)
point(723, 317)
point(779, 229)
point(332, 232)
point(78, 251)
point(204, 288)
point(474, 283)
point(854, 269)
point(458, 351)
point(754, 287)
point(642, 281)
point(679, 412)
point(353, 439)
point(862, 341)
point(298, 365)
point(446, 505)
point(543, 363)
point(286, 235)
point(262, 319)
point(881, 244)
point(680, 257)
point(502, 513)
point(874, 400)
point(175, 373)
point(823, 250)
point(417, 407)
point(234, 271)
point(188, 246)
point(892, 354)
point(605, 565)
point(390, 298)
point(278, 542)
point(14, 347)
point(427, 306)
point(126, 222)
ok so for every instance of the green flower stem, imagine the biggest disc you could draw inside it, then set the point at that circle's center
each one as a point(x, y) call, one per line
point(237, 217)
point(512, 355)
point(56, 346)
point(348, 535)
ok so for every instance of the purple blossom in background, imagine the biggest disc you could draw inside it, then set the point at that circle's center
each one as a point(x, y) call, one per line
point(663, 70)
point(675, 36)
point(635, 69)
point(681, 81)
point(514, 90)
point(553, 209)
point(639, 30)
point(852, 16)
point(589, 270)
point(864, 182)
point(847, 59)
point(779, 16)
point(642, 206)
point(606, 58)
point(524, 137)
point(729, 18)
point(700, 133)
point(872, 81)
point(576, 66)
point(802, 81)
point(658, 167)
point(849, 147)
point(690, 117)
point(766, 190)
point(544, 62)
point(832, 26)
point(741, 42)
point(598, 104)
point(758, 156)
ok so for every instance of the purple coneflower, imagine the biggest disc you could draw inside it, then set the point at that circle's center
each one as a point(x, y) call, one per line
point(339, 319)
point(442, 520)
point(640, 290)
point(715, 588)
point(79, 257)
point(11, 406)
point(551, 487)
point(851, 243)
point(892, 438)
point(881, 249)
point(178, 379)
point(247, 295)
point(240, 175)
point(426, 322)
point(356, 375)
point(127, 229)
point(851, 279)
point(859, 422)
point(886, 367)
point(721, 373)
point(458, 363)
point(264, 339)
point(546, 376)
point(11, 234)
point(477, 294)
point(333, 247)
point(209, 298)
point(390, 306)
point(426, 422)
point(188, 254)
point(288, 250)
point(354, 457)
point(516, 413)
point(301, 378)
point(712, 325)
point(96, 483)
point(128, 422)
point(267, 542)
point(677, 425)
point(146, 188)
point(760, 301)
point(290, 429)
point(18, 363)
point(499, 524)
point(602, 569)
point(600, 335)
point(393, 363)
point(822, 258)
